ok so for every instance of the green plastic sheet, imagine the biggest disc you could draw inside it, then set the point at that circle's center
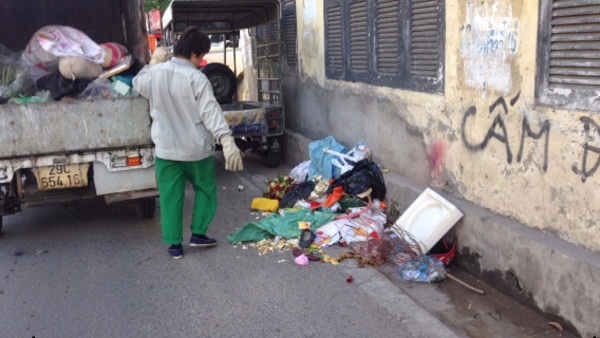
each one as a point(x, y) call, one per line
point(285, 226)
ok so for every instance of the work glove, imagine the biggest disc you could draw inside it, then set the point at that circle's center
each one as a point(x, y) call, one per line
point(233, 155)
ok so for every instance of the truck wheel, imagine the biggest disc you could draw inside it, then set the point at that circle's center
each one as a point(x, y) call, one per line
point(145, 208)
point(273, 156)
point(222, 80)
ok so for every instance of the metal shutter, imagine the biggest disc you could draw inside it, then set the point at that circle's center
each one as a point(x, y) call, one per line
point(574, 60)
point(289, 34)
point(359, 39)
point(425, 42)
point(333, 36)
point(387, 30)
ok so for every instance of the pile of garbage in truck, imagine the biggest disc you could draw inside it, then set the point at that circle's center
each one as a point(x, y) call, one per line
point(61, 61)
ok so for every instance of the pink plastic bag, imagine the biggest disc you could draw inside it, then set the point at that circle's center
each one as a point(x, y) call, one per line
point(50, 43)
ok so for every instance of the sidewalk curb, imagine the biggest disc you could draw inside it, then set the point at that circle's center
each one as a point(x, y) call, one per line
point(418, 321)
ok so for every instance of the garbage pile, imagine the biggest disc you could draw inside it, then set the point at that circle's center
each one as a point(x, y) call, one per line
point(338, 198)
point(61, 61)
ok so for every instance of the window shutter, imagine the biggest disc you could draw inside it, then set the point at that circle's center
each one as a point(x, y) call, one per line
point(424, 38)
point(289, 33)
point(358, 40)
point(575, 45)
point(426, 45)
point(568, 72)
point(387, 31)
point(395, 43)
point(334, 45)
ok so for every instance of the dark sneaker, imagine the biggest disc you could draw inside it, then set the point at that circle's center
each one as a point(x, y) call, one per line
point(202, 241)
point(176, 251)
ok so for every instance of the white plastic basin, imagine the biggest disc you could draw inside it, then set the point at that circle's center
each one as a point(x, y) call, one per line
point(428, 219)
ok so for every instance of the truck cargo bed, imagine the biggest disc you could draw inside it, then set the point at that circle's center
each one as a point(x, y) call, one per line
point(77, 126)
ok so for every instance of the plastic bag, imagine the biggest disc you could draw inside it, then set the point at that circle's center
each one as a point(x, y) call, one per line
point(297, 192)
point(364, 175)
point(49, 43)
point(59, 86)
point(98, 89)
point(425, 269)
point(300, 172)
point(39, 97)
point(14, 77)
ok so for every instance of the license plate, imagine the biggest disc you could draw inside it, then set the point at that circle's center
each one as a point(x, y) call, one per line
point(61, 176)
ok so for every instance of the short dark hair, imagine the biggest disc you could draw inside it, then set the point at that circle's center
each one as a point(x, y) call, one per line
point(192, 40)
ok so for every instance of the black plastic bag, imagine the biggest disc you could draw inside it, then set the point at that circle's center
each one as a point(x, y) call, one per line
point(59, 86)
point(365, 174)
point(298, 192)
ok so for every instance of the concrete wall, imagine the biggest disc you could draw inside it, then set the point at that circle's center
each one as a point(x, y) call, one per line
point(520, 171)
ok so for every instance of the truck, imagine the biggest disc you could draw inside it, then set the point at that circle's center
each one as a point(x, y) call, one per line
point(68, 151)
point(256, 124)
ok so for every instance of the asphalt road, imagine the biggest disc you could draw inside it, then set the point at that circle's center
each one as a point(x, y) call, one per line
point(99, 271)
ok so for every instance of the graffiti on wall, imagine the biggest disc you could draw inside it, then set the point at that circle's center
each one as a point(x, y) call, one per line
point(584, 172)
point(590, 156)
point(498, 131)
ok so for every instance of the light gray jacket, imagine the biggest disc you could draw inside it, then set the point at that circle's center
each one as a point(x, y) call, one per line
point(186, 118)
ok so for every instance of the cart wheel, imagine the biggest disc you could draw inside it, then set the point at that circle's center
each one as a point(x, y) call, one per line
point(223, 81)
point(273, 156)
point(145, 208)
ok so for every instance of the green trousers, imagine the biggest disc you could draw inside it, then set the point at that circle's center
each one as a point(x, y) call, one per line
point(172, 177)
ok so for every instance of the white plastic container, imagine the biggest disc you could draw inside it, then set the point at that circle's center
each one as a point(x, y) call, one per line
point(428, 219)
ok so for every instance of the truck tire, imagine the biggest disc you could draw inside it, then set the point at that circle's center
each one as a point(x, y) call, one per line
point(222, 80)
point(145, 208)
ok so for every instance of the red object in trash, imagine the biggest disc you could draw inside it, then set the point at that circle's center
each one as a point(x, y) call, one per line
point(444, 250)
point(349, 279)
